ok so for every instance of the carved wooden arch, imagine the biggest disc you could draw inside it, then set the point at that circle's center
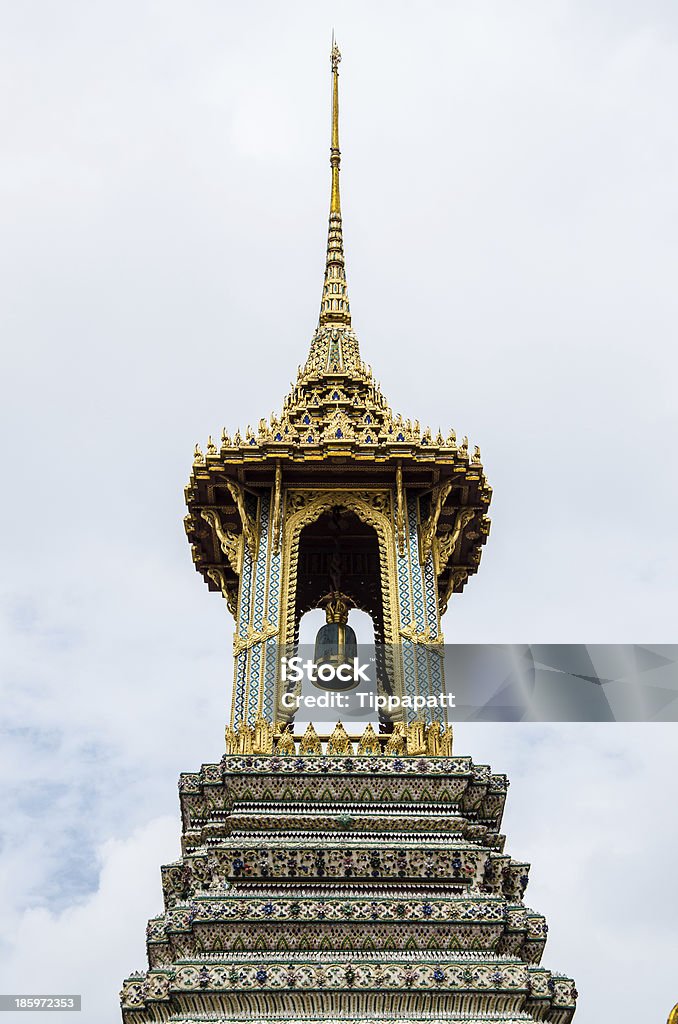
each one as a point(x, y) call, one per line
point(383, 526)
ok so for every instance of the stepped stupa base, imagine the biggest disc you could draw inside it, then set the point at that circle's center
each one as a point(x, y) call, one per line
point(297, 899)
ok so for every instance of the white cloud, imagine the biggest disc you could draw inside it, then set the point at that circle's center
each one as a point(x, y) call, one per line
point(89, 947)
point(591, 808)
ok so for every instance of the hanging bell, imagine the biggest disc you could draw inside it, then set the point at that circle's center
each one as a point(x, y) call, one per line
point(336, 648)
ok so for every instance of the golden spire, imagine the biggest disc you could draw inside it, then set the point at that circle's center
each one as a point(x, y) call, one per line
point(334, 308)
point(335, 152)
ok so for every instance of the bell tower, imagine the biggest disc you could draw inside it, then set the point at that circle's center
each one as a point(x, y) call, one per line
point(337, 495)
point(336, 878)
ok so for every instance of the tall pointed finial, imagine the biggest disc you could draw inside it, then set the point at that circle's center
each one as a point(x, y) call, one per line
point(334, 308)
point(335, 153)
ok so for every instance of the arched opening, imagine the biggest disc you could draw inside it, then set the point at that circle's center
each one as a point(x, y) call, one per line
point(338, 553)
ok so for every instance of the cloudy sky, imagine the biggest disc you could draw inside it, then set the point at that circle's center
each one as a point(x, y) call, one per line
point(509, 202)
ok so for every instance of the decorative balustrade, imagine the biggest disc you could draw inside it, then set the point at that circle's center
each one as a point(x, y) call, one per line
point(413, 739)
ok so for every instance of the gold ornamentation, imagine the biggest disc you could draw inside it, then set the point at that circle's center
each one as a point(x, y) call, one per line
point(377, 500)
point(369, 741)
point(239, 740)
point(446, 738)
point(228, 590)
point(310, 741)
point(400, 509)
point(416, 738)
point(447, 542)
point(397, 741)
point(336, 607)
point(339, 429)
point(335, 55)
point(262, 741)
point(248, 526)
point(277, 510)
point(428, 529)
point(285, 741)
point(458, 577)
point(229, 541)
point(253, 636)
point(339, 742)
point(438, 740)
point(433, 738)
point(334, 308)
point(310, 416)
point(424, 637)
point(231, 739)
point(335, 155)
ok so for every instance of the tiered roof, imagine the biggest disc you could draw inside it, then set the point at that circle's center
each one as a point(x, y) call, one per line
point(336, 419)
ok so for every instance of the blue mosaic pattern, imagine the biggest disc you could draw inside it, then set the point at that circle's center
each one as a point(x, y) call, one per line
point(405, 609)
point(434, 661)
point(431, 595)
point(436, 673)
point(258, 608)
point(273, 616)
point(417, 602)
point(240, 681)
point(255, 670)
point(418, 607)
